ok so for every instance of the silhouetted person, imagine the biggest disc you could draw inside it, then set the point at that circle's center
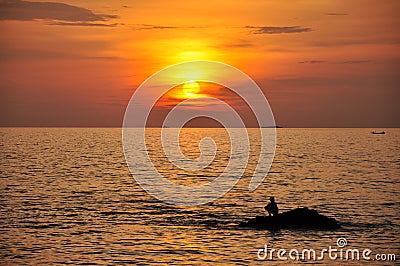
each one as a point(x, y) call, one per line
point(271, 207)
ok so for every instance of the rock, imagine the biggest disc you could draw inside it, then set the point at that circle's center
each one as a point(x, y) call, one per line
point(301, 218)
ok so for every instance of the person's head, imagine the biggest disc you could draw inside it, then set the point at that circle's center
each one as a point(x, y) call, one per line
point(272, 199)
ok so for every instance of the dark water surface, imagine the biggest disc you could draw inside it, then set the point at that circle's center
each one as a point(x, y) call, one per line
point(67, 197)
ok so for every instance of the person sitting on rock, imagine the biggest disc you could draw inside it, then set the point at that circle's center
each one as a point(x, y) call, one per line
point(272, 207)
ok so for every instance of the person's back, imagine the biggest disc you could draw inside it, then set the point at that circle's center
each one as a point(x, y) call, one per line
point(272, 207)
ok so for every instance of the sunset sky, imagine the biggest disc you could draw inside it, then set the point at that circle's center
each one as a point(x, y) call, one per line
point(320, 63)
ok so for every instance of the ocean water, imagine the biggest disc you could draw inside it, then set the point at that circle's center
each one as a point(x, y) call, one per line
point(67, 197)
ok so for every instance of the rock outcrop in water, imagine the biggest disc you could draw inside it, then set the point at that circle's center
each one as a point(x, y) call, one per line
point(301, 218)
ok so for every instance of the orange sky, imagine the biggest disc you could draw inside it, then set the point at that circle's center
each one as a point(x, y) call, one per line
point(320, 63)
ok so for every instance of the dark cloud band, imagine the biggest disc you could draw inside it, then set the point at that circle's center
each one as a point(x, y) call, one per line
point(277, 30)
point(26, 10)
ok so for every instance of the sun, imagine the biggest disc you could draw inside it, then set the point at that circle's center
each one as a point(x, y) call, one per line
point(191, 89)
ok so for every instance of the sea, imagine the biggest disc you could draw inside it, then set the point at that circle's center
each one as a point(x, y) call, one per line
point(67, 197)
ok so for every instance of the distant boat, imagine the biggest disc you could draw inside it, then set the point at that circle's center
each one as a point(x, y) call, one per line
point(374, 132)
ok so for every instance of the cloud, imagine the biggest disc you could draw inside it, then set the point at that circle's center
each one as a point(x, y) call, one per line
point(161, 27)
point(312, 62)
point(152, 27)
point(354, 62)
point(235, 44)
point(337, 62)
point(27, 11)
point(336, 14)
point(239, 45)
point(277, 30)
point(156, 27)
point(84, 24)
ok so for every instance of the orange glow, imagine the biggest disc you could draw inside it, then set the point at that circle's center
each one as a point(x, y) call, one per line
point(319, 65)
point(191, 89)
